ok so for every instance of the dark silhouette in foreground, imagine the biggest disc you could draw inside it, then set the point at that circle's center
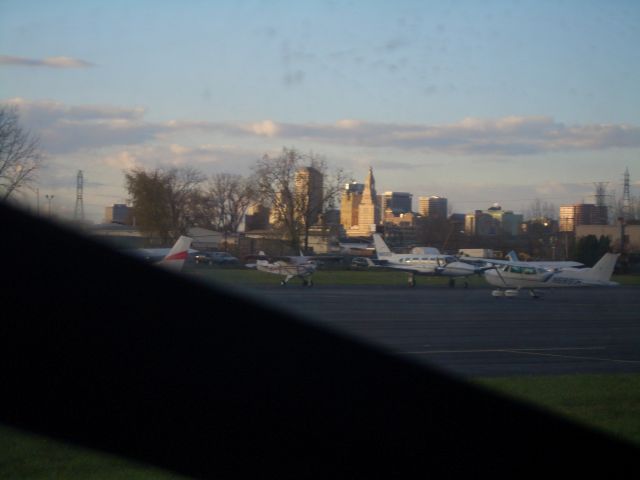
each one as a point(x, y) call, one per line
point(104, 351)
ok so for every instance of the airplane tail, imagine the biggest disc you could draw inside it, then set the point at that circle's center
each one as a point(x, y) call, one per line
point(603, 270)
point(512, 256)
point(381, 247)
point(261, 261)
point(177, 255)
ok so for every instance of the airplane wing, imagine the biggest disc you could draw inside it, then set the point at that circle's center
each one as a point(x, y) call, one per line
point(416, 269)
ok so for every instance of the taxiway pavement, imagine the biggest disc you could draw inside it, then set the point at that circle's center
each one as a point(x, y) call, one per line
point(470, 333)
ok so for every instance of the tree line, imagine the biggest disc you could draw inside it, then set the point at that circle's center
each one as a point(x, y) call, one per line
point(167, 202)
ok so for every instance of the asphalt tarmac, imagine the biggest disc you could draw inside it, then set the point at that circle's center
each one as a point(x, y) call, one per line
point(470, 333)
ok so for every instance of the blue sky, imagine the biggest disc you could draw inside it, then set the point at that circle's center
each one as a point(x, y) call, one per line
point(481, 102)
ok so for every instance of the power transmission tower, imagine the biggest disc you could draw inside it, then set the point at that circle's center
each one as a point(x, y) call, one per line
point(601, 193)
point(601, 200)
point(79, 212)
point(626, 196)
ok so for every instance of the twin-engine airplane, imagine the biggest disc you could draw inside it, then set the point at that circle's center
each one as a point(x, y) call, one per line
point(511, 277)
point(434, 264)
point(290, 267)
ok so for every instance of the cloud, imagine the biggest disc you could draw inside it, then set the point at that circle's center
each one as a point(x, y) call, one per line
point(64, 128)
point(49, 62)
point(471, 136)
point(207, 158)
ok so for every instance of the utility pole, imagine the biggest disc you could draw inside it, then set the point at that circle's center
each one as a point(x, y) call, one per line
point(626, 196)
point(49, 199)
point(79, 212)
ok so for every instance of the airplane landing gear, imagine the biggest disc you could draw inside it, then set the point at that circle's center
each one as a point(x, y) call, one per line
point(283, 283)
point(534, 294)
point(452, 283)
point(412, 280)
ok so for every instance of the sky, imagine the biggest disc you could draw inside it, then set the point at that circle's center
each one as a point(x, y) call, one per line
point(481, 102)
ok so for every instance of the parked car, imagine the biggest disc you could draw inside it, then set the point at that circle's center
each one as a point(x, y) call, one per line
point(215, 258)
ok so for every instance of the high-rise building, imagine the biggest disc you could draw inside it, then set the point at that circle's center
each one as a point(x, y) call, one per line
point(493, 221)
point(368, 210)
point(434, 206)
point(572, 216)
point(398, 202)
point(349, 203)
point(308, 197)
point(309, 190)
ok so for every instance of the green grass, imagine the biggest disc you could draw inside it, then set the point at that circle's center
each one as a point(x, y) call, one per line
point(610, 403)
point(32, 457)
point(249, 277)
point(381, 277)
point(629, 279)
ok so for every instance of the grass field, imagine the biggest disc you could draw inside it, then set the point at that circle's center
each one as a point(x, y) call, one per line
point(35, 457)
point(249, 277)
point(610, 403)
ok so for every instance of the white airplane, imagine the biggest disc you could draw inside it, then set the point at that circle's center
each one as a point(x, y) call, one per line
point(512, 258)
point(171, 258)
point(301, 267)
point(174, 260)
point(423, 264)
point(511, 277)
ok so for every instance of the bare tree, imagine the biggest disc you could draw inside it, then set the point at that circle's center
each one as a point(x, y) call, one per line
point(228, 197)
point(298, 189)
point(163, 201)
point(539, 209)
point(19, 154)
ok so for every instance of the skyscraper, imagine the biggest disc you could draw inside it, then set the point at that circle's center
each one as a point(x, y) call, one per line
point(433, 206)
point(399, 202)
point(349, 203)
point(309, 191)
point(368, 210)
point(581, 214)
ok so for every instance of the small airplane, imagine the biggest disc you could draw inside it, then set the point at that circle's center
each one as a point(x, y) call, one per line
point(435, 264)
point(172, 258)
point(512, 257)
point(301, 267)
point(511, 277)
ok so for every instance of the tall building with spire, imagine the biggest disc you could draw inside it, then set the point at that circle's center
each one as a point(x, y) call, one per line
point(368, 210)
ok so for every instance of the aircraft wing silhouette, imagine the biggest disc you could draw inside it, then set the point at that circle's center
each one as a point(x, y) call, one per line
point(102, 350)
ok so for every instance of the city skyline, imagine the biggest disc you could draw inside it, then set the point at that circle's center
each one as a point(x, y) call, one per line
point(477, 103)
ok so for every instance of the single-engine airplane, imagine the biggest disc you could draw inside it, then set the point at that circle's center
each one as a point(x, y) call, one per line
point(301, 267)
point(511, 277)
point(423, 264)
